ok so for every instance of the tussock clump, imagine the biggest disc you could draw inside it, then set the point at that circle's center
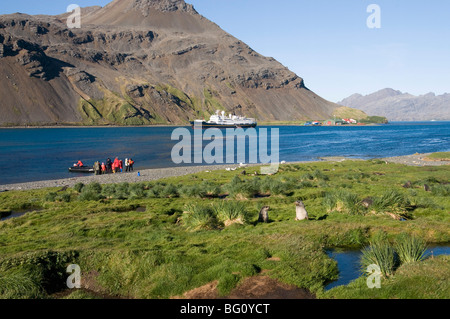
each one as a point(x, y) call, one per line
point(440, 190)
point(109, 190)
point(410, 248)
point(231, 212)
point(78, 187)
point(64, 198)
point(91, 192)
point(200, 217)
point(392, 203)
point(210, 189)
point(155, 190)
point(192, 191)
point(122, 191)
point(307, 177)
point(20, 283)
point(343, 201)
point(272, 186)
point(50, 197)
point(89, 195)
point(319, 175)
point(169, 191)
point(305, 184)
point(388, 257)
point(34, 275)
point(136, 191)
point(238, 188)
point(381, 253)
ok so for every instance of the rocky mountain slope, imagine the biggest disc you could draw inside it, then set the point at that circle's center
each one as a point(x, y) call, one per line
point(137, 62)
point(398, 106)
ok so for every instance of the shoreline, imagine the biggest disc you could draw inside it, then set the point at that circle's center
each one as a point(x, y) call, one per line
point(281, 123)
point(146, 175)
point(153, 174)
point(87, 126)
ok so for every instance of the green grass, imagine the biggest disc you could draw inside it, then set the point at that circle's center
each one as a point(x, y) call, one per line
point(410, 248)
point(381, 253)
point(184, 239)
point(176, 93)
point(20, 283)
point(198, 217)
point(392, 201)
point(440, 156)
point(343, 201)
point(212, 104)
point(229, 212)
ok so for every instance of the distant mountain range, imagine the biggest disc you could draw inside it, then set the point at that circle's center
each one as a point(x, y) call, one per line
point(136, 62)
point(398, 106)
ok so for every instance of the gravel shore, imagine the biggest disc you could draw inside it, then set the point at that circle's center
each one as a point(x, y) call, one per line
point(415, 160)
point(132, 177)
point(159, 173)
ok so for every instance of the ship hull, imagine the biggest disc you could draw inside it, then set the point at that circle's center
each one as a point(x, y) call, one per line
point(206, 125)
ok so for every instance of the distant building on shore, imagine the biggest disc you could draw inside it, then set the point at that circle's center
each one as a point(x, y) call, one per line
point(333, 122)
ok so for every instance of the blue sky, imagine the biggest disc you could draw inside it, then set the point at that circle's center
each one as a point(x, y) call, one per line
point(327, 42)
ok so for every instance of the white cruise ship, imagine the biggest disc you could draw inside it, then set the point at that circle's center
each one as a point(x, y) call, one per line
point(220, 120)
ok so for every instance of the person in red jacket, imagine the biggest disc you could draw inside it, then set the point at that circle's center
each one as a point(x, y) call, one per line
point(121, 166)
point(131, 163)
point(103, 168)
point(116, 165)
point(80, 163)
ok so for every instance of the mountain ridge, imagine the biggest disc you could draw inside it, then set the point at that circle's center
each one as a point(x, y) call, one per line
point(136, 62)
point(400, 106)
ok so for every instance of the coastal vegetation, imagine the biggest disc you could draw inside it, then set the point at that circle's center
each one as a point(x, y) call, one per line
point(439, 156)
point(164, 238)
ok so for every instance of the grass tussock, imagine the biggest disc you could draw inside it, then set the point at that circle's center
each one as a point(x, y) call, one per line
point(200, 217)
point(343, 201)
point(20, 283)
point(231, 212)
point(406, 249)
point(393, 203)
point(410, 248)
point(381, 253)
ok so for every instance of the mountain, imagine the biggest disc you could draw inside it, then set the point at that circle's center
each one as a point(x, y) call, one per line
point(137, 62)
point(398, 106)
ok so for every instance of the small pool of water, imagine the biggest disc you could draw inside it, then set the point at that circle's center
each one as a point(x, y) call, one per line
point(349, 266)
point(13, 215)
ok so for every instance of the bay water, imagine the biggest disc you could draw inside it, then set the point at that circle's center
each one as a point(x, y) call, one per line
point(33, 154)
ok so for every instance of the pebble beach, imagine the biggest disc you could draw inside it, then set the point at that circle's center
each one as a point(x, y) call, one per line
point(147, 175)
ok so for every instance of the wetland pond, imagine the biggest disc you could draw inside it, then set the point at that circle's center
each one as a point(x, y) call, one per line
point(349, 263)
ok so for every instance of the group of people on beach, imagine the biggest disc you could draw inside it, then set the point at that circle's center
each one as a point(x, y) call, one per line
point(112, 167)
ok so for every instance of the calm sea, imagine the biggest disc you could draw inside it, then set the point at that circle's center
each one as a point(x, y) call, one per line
point(46, 153)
